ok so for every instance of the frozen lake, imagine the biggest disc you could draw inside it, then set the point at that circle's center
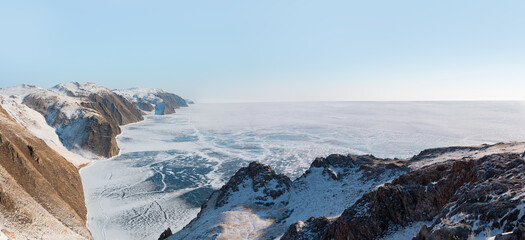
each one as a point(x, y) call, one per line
point(169, 165)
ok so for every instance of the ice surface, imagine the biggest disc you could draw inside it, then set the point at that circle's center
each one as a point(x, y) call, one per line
point(169, 164)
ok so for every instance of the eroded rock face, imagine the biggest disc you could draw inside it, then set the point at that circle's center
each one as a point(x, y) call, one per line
point(86, 116)
point(171, 102)
point(364, 197)
point(258, 194)
point(41, 194)
point(308, 229)
point(466, 197)
point(262, 178)
point(159, 101)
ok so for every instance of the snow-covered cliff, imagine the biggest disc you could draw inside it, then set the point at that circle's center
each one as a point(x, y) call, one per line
point(86, 116)
point(153, 100)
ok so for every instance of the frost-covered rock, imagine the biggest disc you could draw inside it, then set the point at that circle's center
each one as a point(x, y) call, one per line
point(86, 116)
point(105, 102)
point(37, 125)
point(364, 197)
point(157, 100)
point(258, 203)
point(464, 198)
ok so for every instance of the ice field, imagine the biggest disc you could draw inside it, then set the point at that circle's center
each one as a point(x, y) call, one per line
point(169, 164)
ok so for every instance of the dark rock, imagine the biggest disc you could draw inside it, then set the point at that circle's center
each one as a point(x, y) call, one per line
point(456, 231)
point(260, 175)
point(486, 191)
point(306, 230)
point(166, 234)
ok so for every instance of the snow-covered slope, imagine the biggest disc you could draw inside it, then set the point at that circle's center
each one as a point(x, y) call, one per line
point(36, 124)
point(76, 89)
point(153, 100)
point(64, 114)
point(85, 116)
point(257, 203)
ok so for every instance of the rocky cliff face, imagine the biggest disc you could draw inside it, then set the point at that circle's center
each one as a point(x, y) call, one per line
point(462, 191)
point(159, 101)
point(463, 198)
point(113, 107)
point(41, 194)
point(86, 116)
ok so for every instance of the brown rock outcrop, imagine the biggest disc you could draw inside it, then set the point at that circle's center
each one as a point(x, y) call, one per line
point(41, 193)
point(87, 118)
point(171, 102)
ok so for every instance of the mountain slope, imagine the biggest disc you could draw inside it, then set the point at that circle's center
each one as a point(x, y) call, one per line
point(463, 198)
point(36, 124)
point(157, 100)
point(107, 103)
point(41, 192)
point(86, 116)
point(257, 203)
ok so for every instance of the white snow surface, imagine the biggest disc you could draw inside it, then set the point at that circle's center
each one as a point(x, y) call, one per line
point(138, 92)
point(81, 89)
point(408, 232)
point(135, 94)
point(314, 195)
point(169, 164)
point(514, 147)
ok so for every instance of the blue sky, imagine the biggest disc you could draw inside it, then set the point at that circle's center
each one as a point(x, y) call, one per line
point(235, 51)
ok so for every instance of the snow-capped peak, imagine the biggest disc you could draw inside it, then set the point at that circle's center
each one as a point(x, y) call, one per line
point(18, 93)
point(81, 89)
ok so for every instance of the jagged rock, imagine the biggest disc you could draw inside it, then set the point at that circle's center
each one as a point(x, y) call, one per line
point(457, 193)
point(364, 197)
point(306, 230)
point(263, 178)
point(456, 231)
point(370, 166)
point(166, 234)
point(256, 192)
point(517, 234)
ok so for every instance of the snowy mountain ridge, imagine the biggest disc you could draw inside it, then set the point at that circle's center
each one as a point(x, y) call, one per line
point(76, 89)
point(157, 101)
point(258, 203)
point(37, 125)
point(86, 116)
